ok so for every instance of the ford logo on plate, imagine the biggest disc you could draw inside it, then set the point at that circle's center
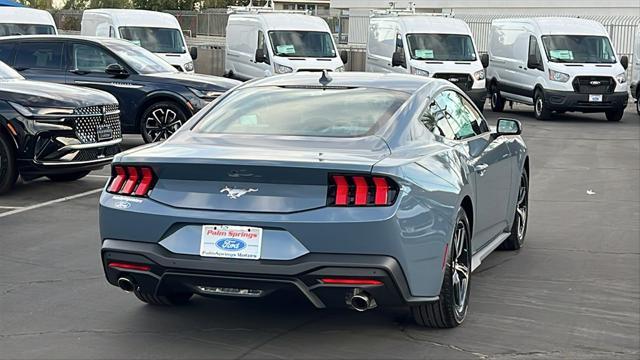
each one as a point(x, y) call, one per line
point(229, 244)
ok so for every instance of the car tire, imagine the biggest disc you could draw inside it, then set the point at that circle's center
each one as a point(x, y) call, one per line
point(638, 105)
point(8, 168)
point(451, 308)
point(68, 176)
point(163, 300)
point(497, 102)
point(521, 217)
point(161, 120)
point(539, 107)
point(615, 115)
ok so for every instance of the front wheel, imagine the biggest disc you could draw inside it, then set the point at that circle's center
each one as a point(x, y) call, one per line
point(161, 120)
point(451, 308)
point(638, 104)
point(8, 170)
point(521, 217)
point(615, 115)
point(540, 108)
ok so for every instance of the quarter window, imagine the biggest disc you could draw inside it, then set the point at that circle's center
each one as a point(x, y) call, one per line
point(434, 118)
point(91, 58)
point(39, 55)
point(463, 119)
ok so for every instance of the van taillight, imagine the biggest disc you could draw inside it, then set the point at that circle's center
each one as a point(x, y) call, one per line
point(361, 190)
point(131, 180)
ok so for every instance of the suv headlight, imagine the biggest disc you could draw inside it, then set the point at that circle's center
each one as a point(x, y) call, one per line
point(206, 94)
point(339, 69)
point(188, 66)
point(479, 75)
point(45, 112)
point(281, 69)
point(621, 78)
point(419, 72)
point(558, 76)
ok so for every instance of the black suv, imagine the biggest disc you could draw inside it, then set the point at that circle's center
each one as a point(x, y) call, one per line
point(155, 99)
point(62, 132)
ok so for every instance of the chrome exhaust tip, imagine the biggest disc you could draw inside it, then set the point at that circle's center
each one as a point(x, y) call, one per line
point(360, 300)
point(126, 284)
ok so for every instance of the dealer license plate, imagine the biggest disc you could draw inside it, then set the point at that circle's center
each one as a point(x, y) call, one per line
point(234, 242)
point(595, 98)
point(104, 132)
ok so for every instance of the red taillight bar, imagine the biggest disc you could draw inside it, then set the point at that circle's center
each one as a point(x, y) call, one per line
point(129, 266)
point(361, 190)
point(382, 191)
point(132, 180)
point(342, 190)
point(343, 281)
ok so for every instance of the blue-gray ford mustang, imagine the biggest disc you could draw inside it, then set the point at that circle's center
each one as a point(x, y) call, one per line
point(352, 189)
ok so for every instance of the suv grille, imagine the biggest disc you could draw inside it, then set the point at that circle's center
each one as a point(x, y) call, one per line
point(88, 118)
point(463, 81)
point(594, 84)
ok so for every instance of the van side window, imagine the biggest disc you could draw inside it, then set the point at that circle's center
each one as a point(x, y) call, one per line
point(39, 55)
point(262, 45)
point(6, 53)
point(534, 50)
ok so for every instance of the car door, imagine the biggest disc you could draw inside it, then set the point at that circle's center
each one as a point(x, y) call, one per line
point(41, 60)
point(86, 67)
point(531, 71)
point(490, 161)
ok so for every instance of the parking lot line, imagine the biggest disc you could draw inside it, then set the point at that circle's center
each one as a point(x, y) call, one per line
point(50, 202)
point(10, 207)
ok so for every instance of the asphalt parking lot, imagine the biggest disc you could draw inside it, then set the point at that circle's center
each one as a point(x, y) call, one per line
point(573, 291)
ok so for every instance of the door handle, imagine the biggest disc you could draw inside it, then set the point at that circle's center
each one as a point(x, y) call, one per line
point(481, 169)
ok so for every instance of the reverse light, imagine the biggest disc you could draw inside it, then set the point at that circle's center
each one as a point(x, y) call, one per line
point(558, 76)
point(361, 190)
point(131, 180)
point(128, 266)
point(345, 281)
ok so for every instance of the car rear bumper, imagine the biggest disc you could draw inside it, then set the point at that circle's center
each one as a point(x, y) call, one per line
point(171, 272)
point(572, 101)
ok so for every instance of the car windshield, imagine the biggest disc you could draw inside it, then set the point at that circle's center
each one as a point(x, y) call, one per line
point(578, 49)
point(315, 44)
point(441, 47)
point(26, 29)
point(7, 73)
point(300, 111)
point(157, 40)
point(141, 60)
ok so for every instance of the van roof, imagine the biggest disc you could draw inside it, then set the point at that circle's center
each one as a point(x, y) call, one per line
point(560, 25)
point(285, 21)
point(137, 18)
point(415, 24)
point(21, 15)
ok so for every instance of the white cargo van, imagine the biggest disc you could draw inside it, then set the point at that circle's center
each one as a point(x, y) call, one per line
point(263, 42)
point(428, 45)
point(557, 65)
point(157, 32)
point(635, 72)
point(26, 21)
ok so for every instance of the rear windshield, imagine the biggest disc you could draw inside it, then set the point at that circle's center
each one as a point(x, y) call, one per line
point(331, 112)
point(26, 29)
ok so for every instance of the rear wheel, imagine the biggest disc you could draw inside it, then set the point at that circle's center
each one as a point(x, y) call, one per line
point(451, 308)
point(638, 102)
point(540, 108)
point(161, 120)
point(68, 176)
point(615, 115)
point(8, 170)
point(163, 300)
point(497, 102)
point(521, 217)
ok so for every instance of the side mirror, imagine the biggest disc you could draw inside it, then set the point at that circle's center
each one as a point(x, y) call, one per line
point(484, 59)
point(344, 56)
point(624, 61)
point(193, 52)
point(260, 56)
point(398, 59)
point(533, 63)
point(509, 127)
point(116, 70)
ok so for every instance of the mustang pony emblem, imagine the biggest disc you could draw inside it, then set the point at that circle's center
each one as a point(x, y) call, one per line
point(236, 193)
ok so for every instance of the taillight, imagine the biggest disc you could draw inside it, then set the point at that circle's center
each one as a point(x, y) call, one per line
point(131, 180)
point(361, 190)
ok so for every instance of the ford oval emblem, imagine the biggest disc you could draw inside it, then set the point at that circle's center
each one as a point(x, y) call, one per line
point(595, 83)
point(230, 244)
point(122, 204)
point(453, 80)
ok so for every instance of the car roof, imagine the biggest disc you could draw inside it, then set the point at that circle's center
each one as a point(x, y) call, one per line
point(137, 18)
point(284, 21)
point(426, 24)
point(389, 81)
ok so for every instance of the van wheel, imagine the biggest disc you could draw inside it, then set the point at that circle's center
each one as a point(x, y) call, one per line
point(615, 115)
point(540, 109)
point(8, 170)
point(161, 120)
point(451, 308)
point(638, 104)
point(497, 102)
